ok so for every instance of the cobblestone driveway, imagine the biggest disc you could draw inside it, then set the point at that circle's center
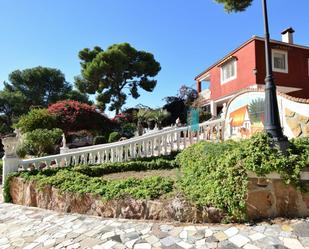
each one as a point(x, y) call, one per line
point(26, 227)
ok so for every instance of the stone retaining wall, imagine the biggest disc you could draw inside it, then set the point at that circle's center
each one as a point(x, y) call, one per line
point(266, 199)
point(174, 209)
point(269, 198)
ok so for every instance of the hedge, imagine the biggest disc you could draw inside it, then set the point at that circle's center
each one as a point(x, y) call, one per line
point(108, 168)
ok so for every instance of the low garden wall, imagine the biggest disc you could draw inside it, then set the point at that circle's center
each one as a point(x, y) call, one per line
point(235, 177)
point(267, 198)
point(175, 208)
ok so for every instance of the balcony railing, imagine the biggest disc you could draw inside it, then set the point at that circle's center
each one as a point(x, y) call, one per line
point(205, 94)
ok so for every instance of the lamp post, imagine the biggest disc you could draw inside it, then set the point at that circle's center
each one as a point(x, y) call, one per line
point(272, 124)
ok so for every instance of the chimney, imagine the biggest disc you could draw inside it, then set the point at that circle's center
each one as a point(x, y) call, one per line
point(287, 35)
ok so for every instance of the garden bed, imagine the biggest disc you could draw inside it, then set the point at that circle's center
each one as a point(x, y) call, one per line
point(271, 199)
point(208, 182)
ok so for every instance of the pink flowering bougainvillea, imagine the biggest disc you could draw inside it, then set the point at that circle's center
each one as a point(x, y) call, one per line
point(75, 116)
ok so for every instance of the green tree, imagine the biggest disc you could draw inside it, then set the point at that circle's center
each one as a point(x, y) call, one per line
point(116, 72)
point(78, 96)
point(40, 86)
point(235, 5)
point(36, 119)
point(178, 105)
point(158, 116)
point(11, 107)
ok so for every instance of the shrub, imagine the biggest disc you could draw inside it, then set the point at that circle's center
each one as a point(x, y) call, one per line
point(128, 129)
point(108, 168)
point(114, 137)
point(41, 142)
point(301, 147)
point(36, 119)
point(99, 140)
point(216, 173)
point(76, 116)
point(6, 186)
point(122, 118)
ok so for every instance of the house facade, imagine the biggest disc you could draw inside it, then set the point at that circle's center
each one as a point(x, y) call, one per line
point(244, 68)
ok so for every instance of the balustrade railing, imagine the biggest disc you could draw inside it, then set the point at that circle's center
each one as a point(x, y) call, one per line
point(158, 143)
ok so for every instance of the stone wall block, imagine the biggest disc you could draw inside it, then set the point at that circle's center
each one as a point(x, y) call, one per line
point(30, 194)
point(302, 119)
point(295, 127)
point(260, 204)
point(289, 113)
point(82, 204)
point(212, 215)
point(156, 210)
point(130, 208)
point(306, 130)
point(289, 201)
point(44, 198)
point(16, 191)
point(179, 209)
point(299, 124)
point(107, 209)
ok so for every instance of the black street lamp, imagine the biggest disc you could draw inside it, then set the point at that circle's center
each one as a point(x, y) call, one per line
point(272, 124)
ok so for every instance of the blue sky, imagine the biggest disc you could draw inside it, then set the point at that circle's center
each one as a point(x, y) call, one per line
point(185, 36)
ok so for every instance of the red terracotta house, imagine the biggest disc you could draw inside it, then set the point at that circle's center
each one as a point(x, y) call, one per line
point(244, 68)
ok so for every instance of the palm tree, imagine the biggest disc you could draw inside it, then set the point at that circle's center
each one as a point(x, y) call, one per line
point(142, 117)
point(256, 110)
point(158, 116)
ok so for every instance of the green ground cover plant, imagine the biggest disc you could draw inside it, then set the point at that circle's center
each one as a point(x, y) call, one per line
point(88, 178)
point(67, 180)
point(215, 174)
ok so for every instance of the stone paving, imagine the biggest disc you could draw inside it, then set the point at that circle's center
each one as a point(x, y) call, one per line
point(27, 227)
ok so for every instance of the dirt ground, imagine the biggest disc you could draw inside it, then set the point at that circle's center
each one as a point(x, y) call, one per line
point(173, 173)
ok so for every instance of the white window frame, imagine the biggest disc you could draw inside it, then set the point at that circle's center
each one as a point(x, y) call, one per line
point(285, 53)
point(234, 61)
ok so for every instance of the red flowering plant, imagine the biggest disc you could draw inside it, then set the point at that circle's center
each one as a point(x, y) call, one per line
point(121, 118)
point(75, 116)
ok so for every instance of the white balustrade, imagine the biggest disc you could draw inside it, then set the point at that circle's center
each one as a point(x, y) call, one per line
point(162, 142)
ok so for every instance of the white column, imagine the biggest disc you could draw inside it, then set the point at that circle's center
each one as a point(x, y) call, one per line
point(178, 140)
point(10, 160)
point(152, 146)
point(112, 155)
point(213, 108)
point(10, 164)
